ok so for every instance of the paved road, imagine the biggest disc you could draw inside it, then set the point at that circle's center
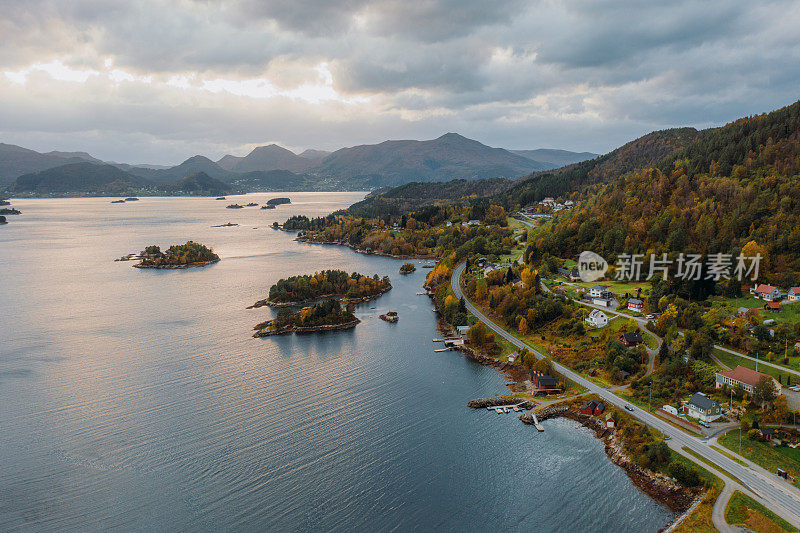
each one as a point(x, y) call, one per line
point(772, 492)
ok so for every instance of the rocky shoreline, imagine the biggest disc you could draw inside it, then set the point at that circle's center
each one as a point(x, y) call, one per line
point(173, 267)
point(362, 251)
point(343, 299)
point(261, 329)
point(661, 488)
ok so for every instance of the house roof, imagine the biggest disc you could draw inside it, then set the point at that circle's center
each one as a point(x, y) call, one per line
point(745, 375)
point(545, 380)
point(795, 290)
point(702, 401)
point(761, 287)
point(591, 404)
point(767, 431)
point(632, 338)
point(596, 313)
point(773, 305)
point(599, 288)
point(635, 301)
point(742, 310)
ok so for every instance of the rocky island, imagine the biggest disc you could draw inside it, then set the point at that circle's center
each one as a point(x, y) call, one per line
point(278, 201)
point(325, 316)
point(3, 220)
point(10, 211)
point(407, 268)
point(234, 206)
point(325, 285)
point(187, 255)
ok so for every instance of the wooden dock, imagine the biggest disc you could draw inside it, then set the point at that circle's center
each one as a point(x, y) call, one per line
point(500, 409)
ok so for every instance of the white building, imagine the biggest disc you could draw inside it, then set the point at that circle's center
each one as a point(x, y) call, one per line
point(766, 292)
point(794, 294)
point(599, 291)
point(597, 319)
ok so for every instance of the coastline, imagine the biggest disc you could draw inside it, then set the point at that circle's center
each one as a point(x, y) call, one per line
point(359, 250)
point(657, 486)
point(175, 267)
point(660, 487)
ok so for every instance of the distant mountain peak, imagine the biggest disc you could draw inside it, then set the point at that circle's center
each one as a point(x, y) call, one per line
point(198, 159)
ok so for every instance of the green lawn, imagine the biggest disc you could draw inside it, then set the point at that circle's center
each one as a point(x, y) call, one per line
point(734, 360)
point(763, 454)
point(788, 313)
point(742, 510)
point(618, 287)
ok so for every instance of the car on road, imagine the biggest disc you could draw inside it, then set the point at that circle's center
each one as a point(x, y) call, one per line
point(651, 316)
point(628, 407)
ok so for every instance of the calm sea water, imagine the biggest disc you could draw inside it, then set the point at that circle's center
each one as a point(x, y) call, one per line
point(137, 399)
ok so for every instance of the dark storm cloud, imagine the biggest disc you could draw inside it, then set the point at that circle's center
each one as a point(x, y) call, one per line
point(171, 76)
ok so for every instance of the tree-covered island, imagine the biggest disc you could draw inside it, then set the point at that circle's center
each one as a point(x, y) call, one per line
point(177, 256)
point(325, 285)
point(324, 316)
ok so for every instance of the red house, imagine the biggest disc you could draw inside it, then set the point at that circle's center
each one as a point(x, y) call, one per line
point(767, 434)
point(589, 407)
point(772, 306)
point(599, 408)
point(544, 382)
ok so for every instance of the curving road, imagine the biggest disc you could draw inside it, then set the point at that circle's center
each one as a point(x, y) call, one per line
point(771, 491)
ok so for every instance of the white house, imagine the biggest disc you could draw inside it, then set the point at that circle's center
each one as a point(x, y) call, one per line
point(597, 319)
point(702, 407)
point(794, 294)
point(766, 292)
point(599, 291)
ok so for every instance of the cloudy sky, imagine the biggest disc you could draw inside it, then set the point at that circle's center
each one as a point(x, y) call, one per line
point(158, 81)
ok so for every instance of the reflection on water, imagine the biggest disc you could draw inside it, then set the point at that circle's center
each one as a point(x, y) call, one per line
point(137, 399)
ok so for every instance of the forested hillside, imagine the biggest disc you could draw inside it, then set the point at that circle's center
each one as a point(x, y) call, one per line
point(725, 188)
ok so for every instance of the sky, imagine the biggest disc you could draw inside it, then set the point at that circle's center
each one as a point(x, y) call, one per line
point(152, 81)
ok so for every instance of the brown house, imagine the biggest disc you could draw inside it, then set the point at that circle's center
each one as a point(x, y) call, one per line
point(631, 339)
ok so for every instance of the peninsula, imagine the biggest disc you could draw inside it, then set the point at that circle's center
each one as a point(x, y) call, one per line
point(325, 316)
point(325, 285)
point(187, 255)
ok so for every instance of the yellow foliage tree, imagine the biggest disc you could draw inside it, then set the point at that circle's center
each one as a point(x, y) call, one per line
point(523, 326)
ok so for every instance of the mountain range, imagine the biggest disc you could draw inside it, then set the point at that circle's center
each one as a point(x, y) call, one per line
point(716, 190)
point(91, 179)
point(275, 168)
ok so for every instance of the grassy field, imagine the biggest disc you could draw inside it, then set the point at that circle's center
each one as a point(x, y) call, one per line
point(769, 457)
point(744, 511)
point(788, 313)
point(734, 360)
point(619, 287)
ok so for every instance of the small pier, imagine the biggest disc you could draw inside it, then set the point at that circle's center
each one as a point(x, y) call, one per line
point(536, 423)
point(501, 409)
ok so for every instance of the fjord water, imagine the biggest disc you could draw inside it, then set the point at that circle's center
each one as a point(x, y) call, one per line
point(137, 400)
